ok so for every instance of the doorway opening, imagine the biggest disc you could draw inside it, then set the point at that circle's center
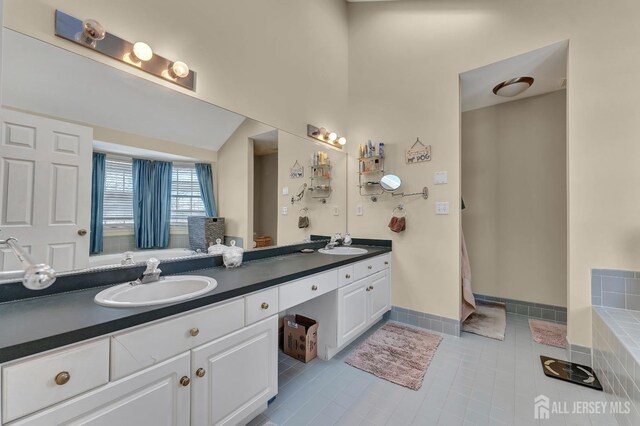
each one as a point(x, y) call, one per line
point(514, 191)
point(265, 189)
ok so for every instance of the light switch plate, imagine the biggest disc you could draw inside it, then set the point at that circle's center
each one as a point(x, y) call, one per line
point(285, 211)
point(285, 190)
point(336, 211)
point(359, 210)
point(440, 178)
point(442, 207)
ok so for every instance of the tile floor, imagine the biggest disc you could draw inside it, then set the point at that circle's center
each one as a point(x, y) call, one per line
point(472, 380)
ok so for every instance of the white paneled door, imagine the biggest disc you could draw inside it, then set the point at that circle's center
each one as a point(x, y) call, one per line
point(45, 189)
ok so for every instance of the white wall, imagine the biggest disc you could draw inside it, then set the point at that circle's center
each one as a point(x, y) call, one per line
point(268, 60)
point(514, 169)
point(404, 61)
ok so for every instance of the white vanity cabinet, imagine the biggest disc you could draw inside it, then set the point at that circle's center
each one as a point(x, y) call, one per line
point(217, 365)
point(236, 375)
point(157, 396)
point(363, 302)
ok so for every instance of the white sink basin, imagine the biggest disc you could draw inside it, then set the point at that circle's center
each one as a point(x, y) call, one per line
point(167, 290)
point(343, 251)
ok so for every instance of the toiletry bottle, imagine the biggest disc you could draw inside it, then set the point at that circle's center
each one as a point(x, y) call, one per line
point(381, 149)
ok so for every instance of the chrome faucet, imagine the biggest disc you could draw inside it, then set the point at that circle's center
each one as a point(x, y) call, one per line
point(36, 276)
point(336, 240)
point(127, 258)
point(151, 274)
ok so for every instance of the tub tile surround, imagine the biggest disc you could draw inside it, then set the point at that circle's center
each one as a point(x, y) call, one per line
point(615, 288)
point(529, 309)
point(616, 357)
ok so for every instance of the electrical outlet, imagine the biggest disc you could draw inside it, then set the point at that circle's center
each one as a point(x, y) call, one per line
point(440, 178)
point(336, 211)
point(442, 207)
point(359, 210)
point(285, 190)
point(285, 211)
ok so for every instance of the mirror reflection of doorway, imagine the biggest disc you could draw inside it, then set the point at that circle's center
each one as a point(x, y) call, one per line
point(265, 189)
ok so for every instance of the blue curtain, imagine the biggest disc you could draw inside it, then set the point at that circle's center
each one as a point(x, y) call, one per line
point(205, 179)
point(151, 203)
point(97, 203)
point(162, 202)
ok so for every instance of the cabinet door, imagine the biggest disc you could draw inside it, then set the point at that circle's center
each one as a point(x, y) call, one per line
point(239, 374)
point(379, 294)
point(352, 310)
point(153, 396)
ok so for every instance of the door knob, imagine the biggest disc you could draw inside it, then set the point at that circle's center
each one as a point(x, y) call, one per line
point(200, 372)
point(184, 381)
point(82, 232)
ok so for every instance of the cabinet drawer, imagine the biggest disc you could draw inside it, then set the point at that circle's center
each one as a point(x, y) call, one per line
point(345, 275)
point(38, 382)
point(134, 350)
point(371, 266)
point(261, 305)
point(300, 291)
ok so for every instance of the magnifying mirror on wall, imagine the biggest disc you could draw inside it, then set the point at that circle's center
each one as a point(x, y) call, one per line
point(390, 183)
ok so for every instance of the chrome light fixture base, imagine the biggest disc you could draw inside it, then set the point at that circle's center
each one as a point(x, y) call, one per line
point(91, 35)
point(323, 135)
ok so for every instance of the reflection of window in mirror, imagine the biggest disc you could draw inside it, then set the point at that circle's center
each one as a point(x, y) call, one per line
point(185, 195)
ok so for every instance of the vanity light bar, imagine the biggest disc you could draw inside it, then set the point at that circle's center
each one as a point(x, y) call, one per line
point(90, 34)
point(324, 135)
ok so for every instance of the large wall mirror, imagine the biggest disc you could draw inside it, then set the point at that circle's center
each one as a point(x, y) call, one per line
point(96, 162)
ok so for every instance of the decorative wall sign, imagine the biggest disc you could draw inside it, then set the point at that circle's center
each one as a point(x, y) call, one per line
point(418, 152)
point(297, 171)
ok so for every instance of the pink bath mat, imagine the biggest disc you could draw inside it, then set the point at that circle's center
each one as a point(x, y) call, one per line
point(397, 353)
point(548, 333)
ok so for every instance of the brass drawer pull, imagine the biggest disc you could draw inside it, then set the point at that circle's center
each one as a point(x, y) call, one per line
point(370, 287)
point(194, 331)
point(386, 262)
point(314, 287)
point(200, 372)
point(370, 267)
point(347, 276)
point(184, 381)
point(63, 378)
point(264, 305)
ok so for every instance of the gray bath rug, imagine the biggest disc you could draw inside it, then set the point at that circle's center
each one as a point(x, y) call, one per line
point(489, 320)
point(397, 353)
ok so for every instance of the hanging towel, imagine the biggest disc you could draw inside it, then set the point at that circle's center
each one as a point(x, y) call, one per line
point(468, 301)
point(398, 224)
point(303, 222)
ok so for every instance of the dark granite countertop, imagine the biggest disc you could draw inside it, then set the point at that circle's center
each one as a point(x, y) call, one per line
point(39, 324)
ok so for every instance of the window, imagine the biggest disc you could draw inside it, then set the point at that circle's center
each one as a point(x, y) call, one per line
point(118, 193)
point(185, 194)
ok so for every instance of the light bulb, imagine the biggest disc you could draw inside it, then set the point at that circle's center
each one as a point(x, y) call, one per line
point(342, 140)
point(179, 69)
point(142, 51)
point(333, 136)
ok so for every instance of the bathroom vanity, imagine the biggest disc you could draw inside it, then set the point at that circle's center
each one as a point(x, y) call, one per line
point(210, 360)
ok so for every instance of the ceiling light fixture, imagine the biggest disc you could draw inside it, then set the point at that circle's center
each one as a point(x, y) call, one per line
point(513, 87)
point(179, 69)
point(142, 51)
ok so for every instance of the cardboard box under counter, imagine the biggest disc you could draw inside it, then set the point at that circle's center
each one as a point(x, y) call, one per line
point(300, 337)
